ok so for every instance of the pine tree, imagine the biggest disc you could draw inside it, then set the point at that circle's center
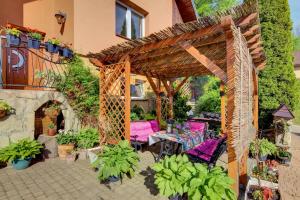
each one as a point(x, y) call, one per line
point(277, 82)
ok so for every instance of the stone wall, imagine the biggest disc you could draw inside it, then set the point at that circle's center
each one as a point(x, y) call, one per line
point(26, 102)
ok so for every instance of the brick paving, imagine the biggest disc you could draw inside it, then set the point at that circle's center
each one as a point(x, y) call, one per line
point(289, 177)
point(56, 179)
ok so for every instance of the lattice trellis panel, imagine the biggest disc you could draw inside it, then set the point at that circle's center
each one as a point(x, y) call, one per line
point(186, 88)
point(114, 117)
point(242, 123)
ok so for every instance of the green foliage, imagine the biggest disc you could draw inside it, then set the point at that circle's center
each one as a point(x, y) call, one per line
point(262, 147)
point(172, 175)
point(137, 113)
point(149, 116)
point(5, 107)
point(51, 126)
point(210, 101)
point(277, 82)
point(258, 195)
point(22, 149)
point(35, 35)
point(264, 174)
point(210, 184)
point(177, 175)
point(284, 153)
point(210, 7)
point(54, 41)
point(87, 138)
point(13, 31)
point(134, 117)
point(117, 161)
point(180, 107)
point(66, 137)
point(81, 88)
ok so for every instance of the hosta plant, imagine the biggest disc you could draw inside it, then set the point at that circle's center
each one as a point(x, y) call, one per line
point(116, 161)
point(210, 184)
point(23, 149)
point(173, 174)
point(87, 138)
point(66, 137)
point(265, 147)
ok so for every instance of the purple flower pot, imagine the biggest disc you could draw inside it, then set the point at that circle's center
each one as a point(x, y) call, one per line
point(52, 48)
point(13, 40)
point(33, 43)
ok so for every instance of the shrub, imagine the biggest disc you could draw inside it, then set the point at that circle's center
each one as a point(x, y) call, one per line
point(5, 107)
point(138, 111)
point(81, 88)
point(134, 116)
point(180, 107)
point(117, 161)
point(87, 138)
point(22, 149)
point(264, 147)
point(66, 137)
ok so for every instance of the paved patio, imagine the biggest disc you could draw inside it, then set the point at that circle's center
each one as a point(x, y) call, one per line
point(56, 179)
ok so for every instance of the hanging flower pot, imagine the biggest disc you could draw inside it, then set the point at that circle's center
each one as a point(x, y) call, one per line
point(65, 52)
point(13, 37)
point(5, 109)
point(52, 46)
point(34, 40)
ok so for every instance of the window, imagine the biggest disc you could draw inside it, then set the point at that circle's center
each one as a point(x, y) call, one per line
point(137, 89)
point(129, 23)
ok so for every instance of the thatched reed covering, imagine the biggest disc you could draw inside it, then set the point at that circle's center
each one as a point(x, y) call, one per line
point(161, 54)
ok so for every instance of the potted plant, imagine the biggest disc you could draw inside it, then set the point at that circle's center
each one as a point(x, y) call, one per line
point(262, 148)
point(172, 175)
point(87, 138)
point(66, 141)
point(116, 161)
point(52, 110)
point(4, 109)
point(265, 174)
point(210, 184)
point(65, 51)
point(13, 36)
point(284, 156)
point(51, 129)
point(52, 46)
point(20, 153)
point(34, 40)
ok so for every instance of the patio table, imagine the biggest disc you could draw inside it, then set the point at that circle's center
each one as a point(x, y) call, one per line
point(170, 142)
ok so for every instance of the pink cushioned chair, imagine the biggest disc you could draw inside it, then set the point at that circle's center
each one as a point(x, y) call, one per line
point(140, 131)
point(197, 126)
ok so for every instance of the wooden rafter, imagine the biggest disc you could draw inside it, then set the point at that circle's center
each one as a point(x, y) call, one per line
point(206, 62)
point(247, 20)
point(253, 30)
point(255, 38)
point(152, 84)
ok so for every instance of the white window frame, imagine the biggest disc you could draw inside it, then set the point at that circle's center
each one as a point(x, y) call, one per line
point(129, 10)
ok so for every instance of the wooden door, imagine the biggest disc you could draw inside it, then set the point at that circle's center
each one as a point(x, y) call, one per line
point(16, 64)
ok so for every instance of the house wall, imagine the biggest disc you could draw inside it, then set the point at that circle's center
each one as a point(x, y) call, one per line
point(12, 12)
point(297, 71)
point(25, 102)
point(41, 15)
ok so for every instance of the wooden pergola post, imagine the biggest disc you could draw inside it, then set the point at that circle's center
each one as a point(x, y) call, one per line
point(233, 165)
point(255, 99)
point(127, 98)
point(223, 107)
point(156, 89)
point(170, 92)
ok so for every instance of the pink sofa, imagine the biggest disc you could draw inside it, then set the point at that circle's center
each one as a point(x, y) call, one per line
point(140, 130)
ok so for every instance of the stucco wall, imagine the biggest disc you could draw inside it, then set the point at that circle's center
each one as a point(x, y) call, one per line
point(26, 102)
point(297, 72)
point(40, 15)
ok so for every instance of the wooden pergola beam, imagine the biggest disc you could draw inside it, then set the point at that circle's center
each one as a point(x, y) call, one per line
point(261, 66)
point(152, 84)
point(253, 30)
point(206, 62)
point(255, 38)
point(255, 45)
point(247, 20)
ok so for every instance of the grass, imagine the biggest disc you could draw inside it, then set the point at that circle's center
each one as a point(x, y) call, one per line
point(297, 115)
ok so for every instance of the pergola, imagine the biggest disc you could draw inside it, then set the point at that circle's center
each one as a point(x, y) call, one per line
point(227, 45)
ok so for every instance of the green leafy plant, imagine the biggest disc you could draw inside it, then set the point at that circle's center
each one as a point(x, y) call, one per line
point(35, 35)
point(210, 184)
point(134, 116)
point(66, 137)
point(51, 126)
point(173, 174)
point(13, 31)
point(264, 174)
point(117, 161)
point(258, 195)
point(87, 138)
point(22, 149)
point(5, 107)
point(139, 111)
point(264, 147)
point(284, 153)
point(81, 88)
point(54, 41)
point(180, 107)
point(149, 116)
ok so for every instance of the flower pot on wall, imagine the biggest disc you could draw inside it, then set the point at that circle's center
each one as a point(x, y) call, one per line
point(51, 131)
point(64, 150)
point(20, 164)
point(33, 43)
point(2, 113)
point(52, 48)
point(13, 40)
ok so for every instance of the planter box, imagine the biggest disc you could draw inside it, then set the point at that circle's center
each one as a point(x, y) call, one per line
point(13, 40)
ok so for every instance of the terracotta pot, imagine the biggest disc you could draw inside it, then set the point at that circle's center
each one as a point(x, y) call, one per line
point(52, 132)
point(2, 113)
point(64, 150)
